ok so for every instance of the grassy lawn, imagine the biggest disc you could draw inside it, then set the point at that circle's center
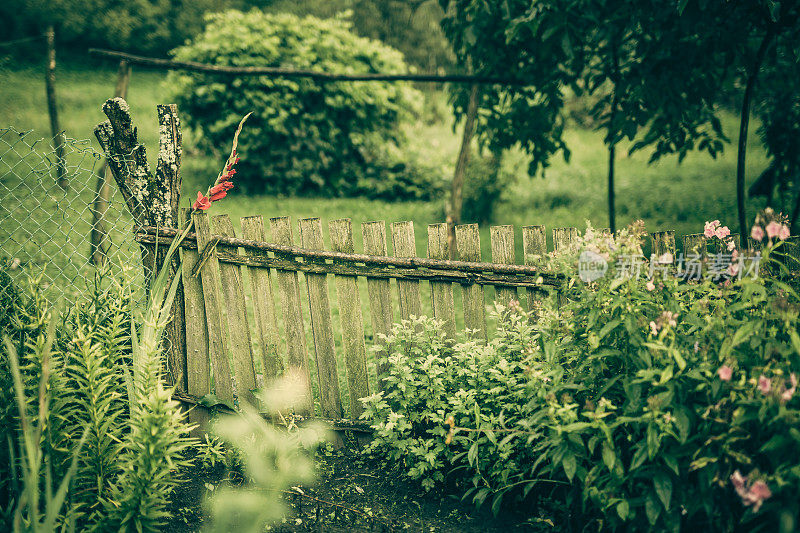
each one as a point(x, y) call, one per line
point(666, 195)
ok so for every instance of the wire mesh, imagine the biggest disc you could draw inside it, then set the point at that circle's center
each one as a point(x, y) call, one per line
point(58, 234)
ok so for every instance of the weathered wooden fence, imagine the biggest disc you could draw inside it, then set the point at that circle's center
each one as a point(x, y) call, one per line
point(232, 315)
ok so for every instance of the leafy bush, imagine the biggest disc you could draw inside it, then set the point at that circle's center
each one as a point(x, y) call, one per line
point(106, 406)
point(661, 404)
point(305, 137)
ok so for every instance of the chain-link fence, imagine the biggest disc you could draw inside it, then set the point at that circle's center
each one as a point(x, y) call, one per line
point(60, 221)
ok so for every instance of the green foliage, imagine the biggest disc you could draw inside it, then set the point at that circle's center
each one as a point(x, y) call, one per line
point(430, 380)
point(619, 405)
point(484, 183)
point(304, 137)
point(108, 424)
point(272, 459)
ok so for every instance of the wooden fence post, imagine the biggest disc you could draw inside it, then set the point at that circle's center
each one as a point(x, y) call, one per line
point(289, 290)
point(352, 321)
point(198, 369)
point(263, 302)
point(663, 242)
point(441, 292)
point(563, 238)
point(240, 347)
point(321, 324)
point(408, 290)
point(468, 243)
point(52, 108)
point(212, 302)
point(534, 248)
point(503, 252)
point(152, 199)
point(98, 240)
point(380, 296)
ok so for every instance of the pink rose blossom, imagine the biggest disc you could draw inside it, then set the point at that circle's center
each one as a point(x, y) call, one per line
point(773, 229)
point(722, 232)
point(650, 286)
point(764, 384)
point(710, 228)
point(754, 495)
point(725, 373)
point(757, 233)
point(731, 245)
point(784, 232)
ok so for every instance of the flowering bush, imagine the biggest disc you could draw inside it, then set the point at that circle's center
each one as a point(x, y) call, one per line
point(664, 403)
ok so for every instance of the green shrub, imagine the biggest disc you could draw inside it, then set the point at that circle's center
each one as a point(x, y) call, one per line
point(305, 137)
point(662, 405)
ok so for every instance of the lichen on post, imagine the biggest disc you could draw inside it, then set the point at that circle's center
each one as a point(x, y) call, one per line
point(152, 198)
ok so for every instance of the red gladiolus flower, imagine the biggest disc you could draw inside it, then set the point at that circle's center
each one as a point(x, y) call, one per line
point(202, 203)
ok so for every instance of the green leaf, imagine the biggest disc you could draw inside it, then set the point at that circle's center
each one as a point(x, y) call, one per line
point(609, 457)
point(652, 509)
point(622, 509)
point(663, 486)
point(570, 465)
point(682, 6)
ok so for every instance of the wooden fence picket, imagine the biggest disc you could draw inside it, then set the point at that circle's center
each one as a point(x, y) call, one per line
point(563, 239)
point(212, 298)
point(441, 291)
point(379, 290)
point(502, 240)
point(263, 302)
point(198, 368)
point(663, 242)
point(694, 244)
point(352, 321)
point(534, 249)
point(468, 244)
point(404, 245)
point(233, 293)
point(289, 289)
point(321, 324)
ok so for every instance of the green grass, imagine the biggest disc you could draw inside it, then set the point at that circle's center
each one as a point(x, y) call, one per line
point(666, 195)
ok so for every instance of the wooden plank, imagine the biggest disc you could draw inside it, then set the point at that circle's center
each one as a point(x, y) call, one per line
point(534, 249)
point(562, 240)
point(321, 325)
point(380, 296)
point(241, 348)
point(212, 301)
point(355, 350)
point(663, 242)
point(289, 290)
point(563, 237)
point(198, 368)
point(405, 246)
point(502, 240)
point(441, 292)
point(263, 302)
point(468, 245)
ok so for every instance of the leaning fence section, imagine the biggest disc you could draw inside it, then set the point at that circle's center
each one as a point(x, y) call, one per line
point(257, 307)
point(60, 218)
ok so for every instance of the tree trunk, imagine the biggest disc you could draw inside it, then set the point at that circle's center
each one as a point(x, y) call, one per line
point(99, 236)
point(456, 199)
point(52, 108)
point(612, 219)
point(744, 124)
